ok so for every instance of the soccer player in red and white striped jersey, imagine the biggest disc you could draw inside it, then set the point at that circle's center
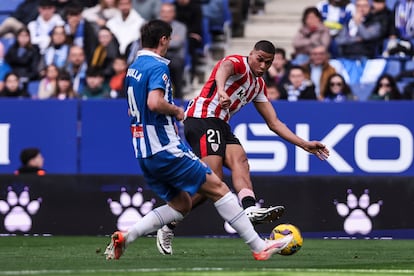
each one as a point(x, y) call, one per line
point(234, 82)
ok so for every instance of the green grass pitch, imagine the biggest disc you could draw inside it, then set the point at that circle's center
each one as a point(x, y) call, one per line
point(61, 255)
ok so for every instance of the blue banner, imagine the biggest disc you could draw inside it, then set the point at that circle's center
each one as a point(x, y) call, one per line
point(49, 125)
point(106, 139)
point(93, 137)
point(364, 138)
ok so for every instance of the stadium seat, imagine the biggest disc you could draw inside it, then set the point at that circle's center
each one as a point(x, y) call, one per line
point(8, 6)
point(393, 67)
point(409, 65)
point(390, 4)
point(7, 42)
point(362, 90)
point(33, 87)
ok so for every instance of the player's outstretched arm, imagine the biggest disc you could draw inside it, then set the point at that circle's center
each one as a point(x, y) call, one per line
point(269, 115)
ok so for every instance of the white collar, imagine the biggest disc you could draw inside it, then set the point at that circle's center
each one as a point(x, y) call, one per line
point(155, 55)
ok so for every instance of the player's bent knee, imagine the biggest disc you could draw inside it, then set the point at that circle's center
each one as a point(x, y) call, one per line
point(181, 203)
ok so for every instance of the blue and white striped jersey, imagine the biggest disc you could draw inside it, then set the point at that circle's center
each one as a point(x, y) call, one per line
point(151, 132)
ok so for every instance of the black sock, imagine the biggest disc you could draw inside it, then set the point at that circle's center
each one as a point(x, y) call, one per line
point(248, 201)
point(172, 225)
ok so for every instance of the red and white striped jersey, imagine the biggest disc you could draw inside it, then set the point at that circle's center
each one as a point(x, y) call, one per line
point(242, 88)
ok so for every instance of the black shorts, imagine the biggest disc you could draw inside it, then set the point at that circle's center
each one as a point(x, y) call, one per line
point(208, 136)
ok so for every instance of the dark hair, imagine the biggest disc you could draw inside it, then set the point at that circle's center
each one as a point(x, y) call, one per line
point(281, 52)
point(346, 89)
point(11, 73)
point(94, 71)
point(27, 154)
point(23, 29)
point(153, 31)
point(395, 93)
point(64, 75)
point(73, 8)
point(311, 10)
point(105, 28)
point(296, 67)
point(47, 3)
point(265, 46)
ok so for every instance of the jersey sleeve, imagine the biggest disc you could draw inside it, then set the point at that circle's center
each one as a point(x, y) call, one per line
point(159, 79)
point(239, 66)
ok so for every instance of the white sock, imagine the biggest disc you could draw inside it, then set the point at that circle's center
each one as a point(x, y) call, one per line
point(153, 221)
point(230, 211)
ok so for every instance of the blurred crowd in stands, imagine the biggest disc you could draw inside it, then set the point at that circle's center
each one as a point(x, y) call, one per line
point(345, 50)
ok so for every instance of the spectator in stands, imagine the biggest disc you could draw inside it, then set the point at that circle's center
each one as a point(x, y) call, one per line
point(335, 14)
point(401, 39)
point(116, 83)
point(42, 26)
point(4, 66)
point(64, 88)
point(298, 88)
point(32, 162)
point(362, 35)
point(277, 74)
point(177, 50)
point(382, 14)
point(96, 87)
point(58, 50)
point(12, 88)
point(76, 66)
point(24, 57)
point(312, 33)
point(125, 25)
point(337, 90)
point(148, 9)
point(190, 13)
point(79, 31)
point(105, 53)
point(385, 89)
point(99, 14)
point(273, 93)
point(47, 84)
point(25, 12)
point(318, 69)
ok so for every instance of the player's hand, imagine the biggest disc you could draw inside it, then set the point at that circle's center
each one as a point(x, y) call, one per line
point(179, 114)
point(317, 148)
point(224, 100)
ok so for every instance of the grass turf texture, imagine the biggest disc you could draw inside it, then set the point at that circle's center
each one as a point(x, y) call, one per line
point(58, 255)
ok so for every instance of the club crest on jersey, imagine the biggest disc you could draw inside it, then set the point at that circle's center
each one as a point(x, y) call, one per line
point(214, 147)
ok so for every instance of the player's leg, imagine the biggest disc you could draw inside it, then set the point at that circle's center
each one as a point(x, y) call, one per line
point(166, 174)
point(236, 161)
point(174, 210)
point(229, 209)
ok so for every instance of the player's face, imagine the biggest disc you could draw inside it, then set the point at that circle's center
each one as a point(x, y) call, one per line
point(260, 62)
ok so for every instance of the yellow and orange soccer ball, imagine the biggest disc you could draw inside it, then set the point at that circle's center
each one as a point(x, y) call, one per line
point(285, 229)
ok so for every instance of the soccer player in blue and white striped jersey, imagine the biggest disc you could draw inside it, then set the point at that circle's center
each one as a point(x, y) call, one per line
point(169, 166)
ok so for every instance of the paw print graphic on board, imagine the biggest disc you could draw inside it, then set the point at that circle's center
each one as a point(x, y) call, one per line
point(130, 209)
point(358, 212)
point(18, 210)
